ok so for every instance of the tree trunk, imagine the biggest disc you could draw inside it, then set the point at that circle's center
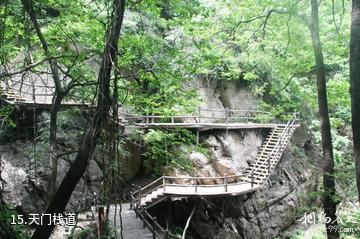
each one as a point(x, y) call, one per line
point(53, 159)
point(355, 85)
point(56, 100)
point(88, 144)
point(328, 159)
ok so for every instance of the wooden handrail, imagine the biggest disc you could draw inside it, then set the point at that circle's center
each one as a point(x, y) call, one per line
point(225, 114)
point(153, 225)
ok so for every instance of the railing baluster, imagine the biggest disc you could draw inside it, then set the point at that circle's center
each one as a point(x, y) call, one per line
point(195, 185)
point(153, 227)
point(226, 115)
point(199, 115)
point(144, 218)
point(226, 182)
point(164, 182)
point(252, 177)
point(139, 200)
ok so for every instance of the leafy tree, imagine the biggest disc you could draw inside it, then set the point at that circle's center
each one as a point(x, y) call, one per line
point(328, 157)
point(77, 169)
point(355, 85)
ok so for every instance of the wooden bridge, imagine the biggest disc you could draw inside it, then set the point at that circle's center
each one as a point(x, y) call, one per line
point(32, 91)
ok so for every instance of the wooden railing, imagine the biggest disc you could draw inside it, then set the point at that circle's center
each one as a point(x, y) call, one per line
point(216, 115)
point(221, 181)
point(148, 220)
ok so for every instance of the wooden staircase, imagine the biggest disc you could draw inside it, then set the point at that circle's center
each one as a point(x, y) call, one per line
point(252, 179)
point(270, 153)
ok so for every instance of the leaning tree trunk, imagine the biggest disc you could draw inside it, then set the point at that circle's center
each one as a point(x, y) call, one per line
point(355, 85)
point(88, 144)
point(328, 158)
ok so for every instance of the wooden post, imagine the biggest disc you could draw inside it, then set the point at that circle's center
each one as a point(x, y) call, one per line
point(152, 119)
point(138, 205)
point(131, 200)
point(226, 133)
point(124, 114)
point(195, 185)
point(147, 118)
point(226, 115)
point(199, 115)
point(172, 119)
point(252, 177)
point(164, 182)
point(197, 136)
point(144, 218)
point(101, 217)
point(226, 182)
point(153, 227)
point(132, 191)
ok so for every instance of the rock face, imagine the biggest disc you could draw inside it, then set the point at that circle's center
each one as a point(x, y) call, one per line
point(229, 154)
point(262, 214)
point(25, 165)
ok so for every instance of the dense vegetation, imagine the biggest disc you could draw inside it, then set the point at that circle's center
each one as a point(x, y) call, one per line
point(266, 45)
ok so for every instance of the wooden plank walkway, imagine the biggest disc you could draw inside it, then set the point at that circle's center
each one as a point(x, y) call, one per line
point(203, 126)
point(210, 190)
point(132, 226)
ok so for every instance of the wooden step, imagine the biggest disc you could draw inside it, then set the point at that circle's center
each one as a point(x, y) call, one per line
point(260, 170)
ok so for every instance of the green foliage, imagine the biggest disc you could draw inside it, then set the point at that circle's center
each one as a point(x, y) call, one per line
point(163, 149)
point(7, 230)
point(5, 116)
point(202, 148)
point(349, 224)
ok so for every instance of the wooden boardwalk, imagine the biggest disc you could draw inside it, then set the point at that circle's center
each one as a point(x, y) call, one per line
point(251, 180)
point(132, 227)
point(202, 126)
point(32, 91)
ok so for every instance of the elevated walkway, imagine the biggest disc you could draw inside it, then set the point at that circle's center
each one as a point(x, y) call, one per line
point(38, 92)
point(251, 180)
point(32, 92)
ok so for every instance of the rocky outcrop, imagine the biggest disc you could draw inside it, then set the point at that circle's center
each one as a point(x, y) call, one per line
point(265, 213)
point(25, 164)
point(262, 214)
